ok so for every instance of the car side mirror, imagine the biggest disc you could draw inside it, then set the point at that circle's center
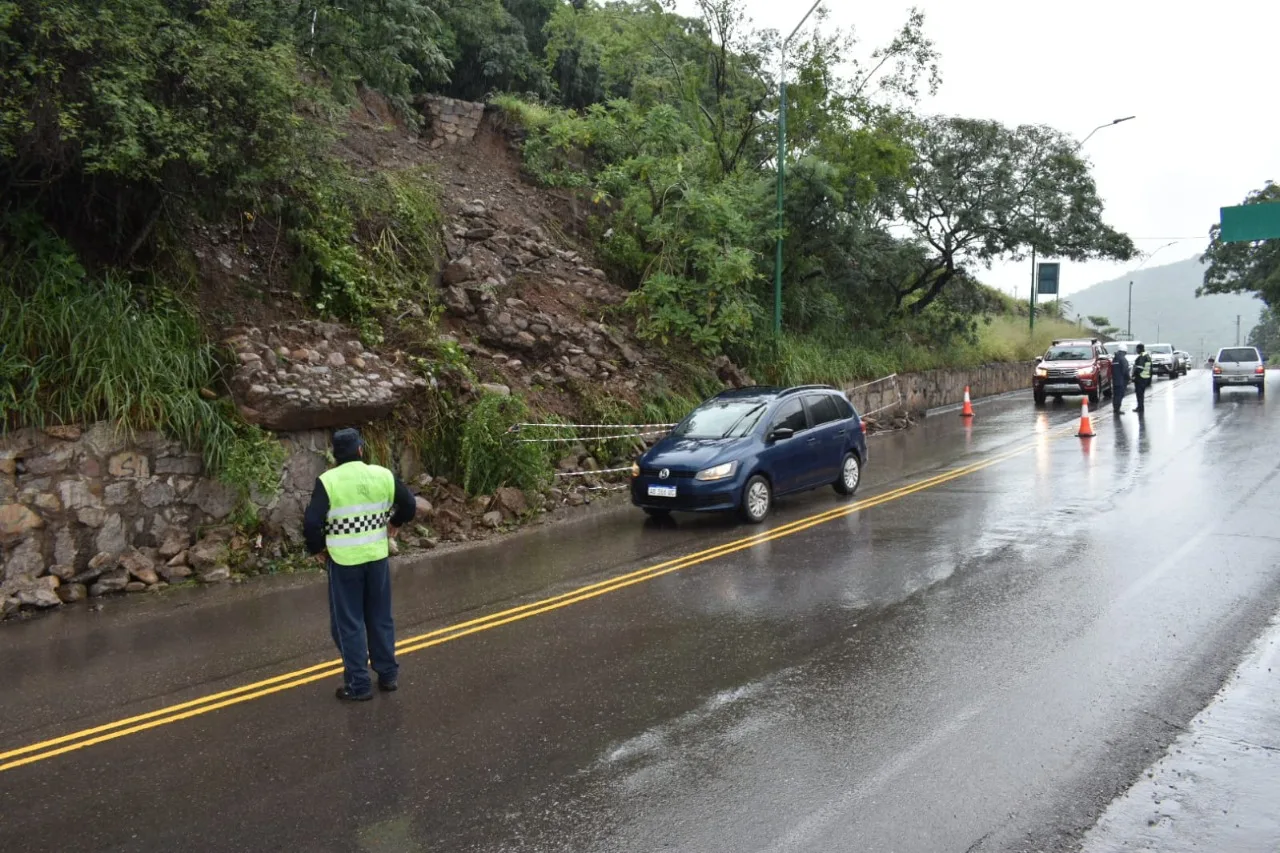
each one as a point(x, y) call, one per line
point(1039, 359)
point(781, 434)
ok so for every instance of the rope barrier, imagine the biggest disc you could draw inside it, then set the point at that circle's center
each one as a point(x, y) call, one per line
point(587, 439)
point(592, 473)
point(519, 427)
point(873, 382)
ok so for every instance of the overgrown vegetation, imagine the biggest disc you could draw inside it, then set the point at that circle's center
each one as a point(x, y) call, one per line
point(888, 216)
point(490, 458)
point(366, 244)
point(125, 125)
point(78, 349)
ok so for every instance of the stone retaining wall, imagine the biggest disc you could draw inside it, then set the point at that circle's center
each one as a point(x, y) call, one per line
point(94, 511)
point(933, 388)
point(450, 121)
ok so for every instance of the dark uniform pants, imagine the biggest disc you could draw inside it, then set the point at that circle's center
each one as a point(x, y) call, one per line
point(1140, 388)
point(1117, 395)
point(361, 623)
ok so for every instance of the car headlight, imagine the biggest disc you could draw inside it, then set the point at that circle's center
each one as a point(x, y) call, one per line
point(635, 469)
point(720, 472)
point(1085, 372)
point(1042, 371)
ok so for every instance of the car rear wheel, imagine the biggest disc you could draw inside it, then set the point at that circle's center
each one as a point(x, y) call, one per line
point(850, 475)
point(1262, 390)
point(757, 500)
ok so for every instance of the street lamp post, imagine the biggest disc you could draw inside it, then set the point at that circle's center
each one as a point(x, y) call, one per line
point(1079, 145)
point(1128, 323)
point(782, 171)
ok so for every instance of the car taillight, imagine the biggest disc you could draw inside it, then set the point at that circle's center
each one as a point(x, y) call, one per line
point(1217, 371)
point(1259, 370)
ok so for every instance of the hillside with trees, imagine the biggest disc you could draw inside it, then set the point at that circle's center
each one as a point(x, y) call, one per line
point(172, 173)
point(1166, 307)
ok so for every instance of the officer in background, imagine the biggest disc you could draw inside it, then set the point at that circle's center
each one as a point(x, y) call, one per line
point(1141, 375)
point(1119, 378)
point(355, 508)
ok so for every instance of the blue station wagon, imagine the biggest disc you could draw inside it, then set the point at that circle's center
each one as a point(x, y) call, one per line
point(741, 449)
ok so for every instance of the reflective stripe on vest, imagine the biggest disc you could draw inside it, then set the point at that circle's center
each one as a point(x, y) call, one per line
point(360, 501)
point(1144, 366)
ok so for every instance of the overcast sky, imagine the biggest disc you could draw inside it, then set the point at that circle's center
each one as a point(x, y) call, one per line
point(1201, 83)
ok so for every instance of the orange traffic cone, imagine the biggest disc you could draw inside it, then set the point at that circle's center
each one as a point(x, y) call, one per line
point(967, 410)
point(1086, 425)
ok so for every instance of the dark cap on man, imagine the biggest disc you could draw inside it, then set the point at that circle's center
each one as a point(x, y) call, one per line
point(347, 444)
point(1141, 348)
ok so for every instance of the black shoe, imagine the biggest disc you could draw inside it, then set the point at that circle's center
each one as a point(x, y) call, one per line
point(388, 686)
point(347, 696)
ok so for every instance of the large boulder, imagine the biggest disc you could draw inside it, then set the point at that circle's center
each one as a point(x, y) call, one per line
point(139, 566)
point(511, 502)
point(316, 386)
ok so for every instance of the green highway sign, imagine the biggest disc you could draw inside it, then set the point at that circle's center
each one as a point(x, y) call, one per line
point(1246, 223)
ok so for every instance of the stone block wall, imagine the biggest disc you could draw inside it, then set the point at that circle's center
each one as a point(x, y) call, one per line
point(933, 388)
point(76, 505)
point(450, 121)
point(87, 512)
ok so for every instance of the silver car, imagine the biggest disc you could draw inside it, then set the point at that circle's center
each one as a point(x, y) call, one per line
point(1164, 362)
point(1239, 367)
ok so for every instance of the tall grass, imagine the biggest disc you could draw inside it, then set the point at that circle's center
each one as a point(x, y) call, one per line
point(76, 349)
point(807, 359)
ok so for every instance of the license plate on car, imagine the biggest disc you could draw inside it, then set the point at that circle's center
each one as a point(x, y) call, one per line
point(1238, 379)
point(662, 491)
point(1061, 386)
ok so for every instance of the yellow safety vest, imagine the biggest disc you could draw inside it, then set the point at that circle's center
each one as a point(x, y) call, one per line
point(360, 500)
point(1143, 363)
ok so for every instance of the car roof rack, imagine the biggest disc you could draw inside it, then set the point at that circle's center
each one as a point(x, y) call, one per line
point(798, 388)
point(1061, 341)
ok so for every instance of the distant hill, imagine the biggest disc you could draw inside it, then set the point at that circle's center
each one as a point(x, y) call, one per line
point(1165, 308)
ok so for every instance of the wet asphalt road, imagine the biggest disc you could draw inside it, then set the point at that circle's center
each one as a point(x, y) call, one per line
point(980, 664)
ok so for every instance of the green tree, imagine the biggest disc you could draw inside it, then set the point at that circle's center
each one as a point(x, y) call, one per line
point(981, 191)
point(388, 45)
point(112, 114)
point(1266, 334)
point(489, 49)
point(1244, 267)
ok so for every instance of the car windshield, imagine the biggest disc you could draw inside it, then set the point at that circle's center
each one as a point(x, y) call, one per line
point(1069, 354)
point(1238, 354)
point(722, 419)
point(1165, 349)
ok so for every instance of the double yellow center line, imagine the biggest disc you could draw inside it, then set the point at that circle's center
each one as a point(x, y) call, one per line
point(206, 704)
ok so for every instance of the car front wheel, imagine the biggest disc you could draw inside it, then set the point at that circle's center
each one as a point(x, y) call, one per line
point(757, 500)
point(850, 475)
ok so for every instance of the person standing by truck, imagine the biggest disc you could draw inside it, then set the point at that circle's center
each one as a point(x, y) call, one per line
point(1120, 379)
point(1141, 376)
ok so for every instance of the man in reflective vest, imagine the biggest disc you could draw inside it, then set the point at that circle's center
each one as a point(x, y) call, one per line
point(355, 508)
point(1141, 375)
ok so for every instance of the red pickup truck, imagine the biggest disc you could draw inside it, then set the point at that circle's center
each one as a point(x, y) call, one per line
point(1073, 368)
